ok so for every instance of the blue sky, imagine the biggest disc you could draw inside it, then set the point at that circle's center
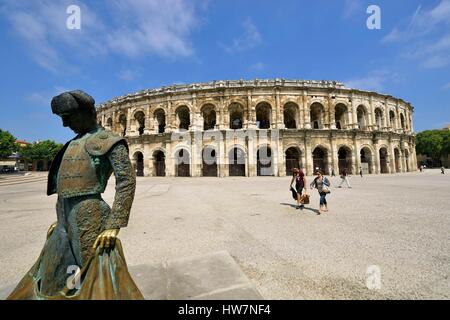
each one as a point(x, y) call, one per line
point(127, 45)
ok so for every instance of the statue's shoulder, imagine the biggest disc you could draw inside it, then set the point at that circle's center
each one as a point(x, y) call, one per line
point(102, 141)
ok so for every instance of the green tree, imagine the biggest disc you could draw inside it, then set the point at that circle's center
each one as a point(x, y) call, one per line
point(43, 150)
point(431, 143)
point(7, 144)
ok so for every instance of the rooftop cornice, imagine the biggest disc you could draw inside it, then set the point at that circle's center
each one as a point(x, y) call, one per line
point(235, 84)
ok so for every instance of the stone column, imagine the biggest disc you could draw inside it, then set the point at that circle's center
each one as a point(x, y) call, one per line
point(250, 167)
point(334, 154)
point(332, 115)
point(356, 158)
point(307, 115)
point(128, 131)
point(372, 119)
point(301, 115)
point(308, 157)
point(149, 122)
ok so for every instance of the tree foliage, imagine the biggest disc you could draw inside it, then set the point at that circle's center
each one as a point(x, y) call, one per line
point(433, 143)
point(7, 144)
point(42, 150)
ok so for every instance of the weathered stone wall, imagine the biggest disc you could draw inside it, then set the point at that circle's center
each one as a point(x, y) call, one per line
point(308, 124)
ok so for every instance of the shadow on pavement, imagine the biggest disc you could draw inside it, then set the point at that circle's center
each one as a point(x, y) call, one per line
point(295, 207)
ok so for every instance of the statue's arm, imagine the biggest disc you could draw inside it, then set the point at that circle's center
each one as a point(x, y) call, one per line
point(125, 187)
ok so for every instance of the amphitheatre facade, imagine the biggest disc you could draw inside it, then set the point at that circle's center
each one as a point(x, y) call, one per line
point(262, 127)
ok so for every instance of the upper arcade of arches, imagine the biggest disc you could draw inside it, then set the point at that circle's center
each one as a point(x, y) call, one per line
point(258, 104)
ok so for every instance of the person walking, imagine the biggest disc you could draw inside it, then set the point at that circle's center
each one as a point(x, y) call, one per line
point(300, 183)
point(442, 170)
point(344, 178)
point(360, 172)
point(322, 184)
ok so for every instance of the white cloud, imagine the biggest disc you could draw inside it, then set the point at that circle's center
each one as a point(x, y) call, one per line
point(128, 74)
point(249, 39)
point(426, 38)
point(352, 7)
point(374, 81)
point(258, 66)
point(127, 27)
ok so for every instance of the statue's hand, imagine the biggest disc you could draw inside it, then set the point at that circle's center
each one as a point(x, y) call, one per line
point(51, 229)
point(106, 239)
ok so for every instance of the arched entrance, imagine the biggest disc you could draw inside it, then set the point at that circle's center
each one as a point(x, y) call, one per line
point(264, 161)
point(182, 163)
point(383, 160)
point(183, 118)
point(160, 119)
point(209, 163)
point(290, 115)
point(236, 162)
point(139, 160)
point(316, 114)
point(209, 117)
point(366, 160)
point(320, 160)
point(397, 160)
point(345, 159)
point(139, 118)
point(159, 163)
point(236, 116)
point(340, 112)
point(263, 115)
point(292, 155)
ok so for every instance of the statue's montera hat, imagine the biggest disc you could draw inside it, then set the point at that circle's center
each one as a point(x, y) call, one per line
point(72, 101)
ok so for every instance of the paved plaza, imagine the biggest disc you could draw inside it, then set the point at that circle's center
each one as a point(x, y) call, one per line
point(399, 223)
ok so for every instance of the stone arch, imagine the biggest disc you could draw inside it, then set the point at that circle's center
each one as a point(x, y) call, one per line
point(320, 159)
point(183, 117)
point(236, 115)
point(236, 161)
point(208, 112)
point(263, 115)
point(209, 161)
point(397, 159)
point(264, 160)
point(182, 158)
point(291, 115)
point(292, 159)
point(384, 159)
point(159, 116)
point(402, 121)
point(317, 115)
point(378, 118)
point(392, 119)
point(341, 115)
point(122, 120)
point(138, 159)
point(345, 159)
point(362, 117)
point(159, 162)
point(139, 118)
point(366, 159)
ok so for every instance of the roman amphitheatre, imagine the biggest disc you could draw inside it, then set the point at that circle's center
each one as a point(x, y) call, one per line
point(262, 128)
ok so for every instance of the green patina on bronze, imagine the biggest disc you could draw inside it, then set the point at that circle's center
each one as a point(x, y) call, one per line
point(79, 174)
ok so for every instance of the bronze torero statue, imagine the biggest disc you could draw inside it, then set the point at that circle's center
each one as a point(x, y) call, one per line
point(82, 257)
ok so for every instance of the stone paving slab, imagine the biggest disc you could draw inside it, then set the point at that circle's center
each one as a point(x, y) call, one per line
point(214, 276)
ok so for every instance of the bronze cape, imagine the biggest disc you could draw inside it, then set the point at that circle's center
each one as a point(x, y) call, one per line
point(79, 175)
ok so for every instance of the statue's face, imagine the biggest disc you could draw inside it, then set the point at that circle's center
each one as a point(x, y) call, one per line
point(79, 122)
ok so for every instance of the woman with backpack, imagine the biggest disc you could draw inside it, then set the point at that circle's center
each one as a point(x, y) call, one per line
point(300, 183)
point(322, 184)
